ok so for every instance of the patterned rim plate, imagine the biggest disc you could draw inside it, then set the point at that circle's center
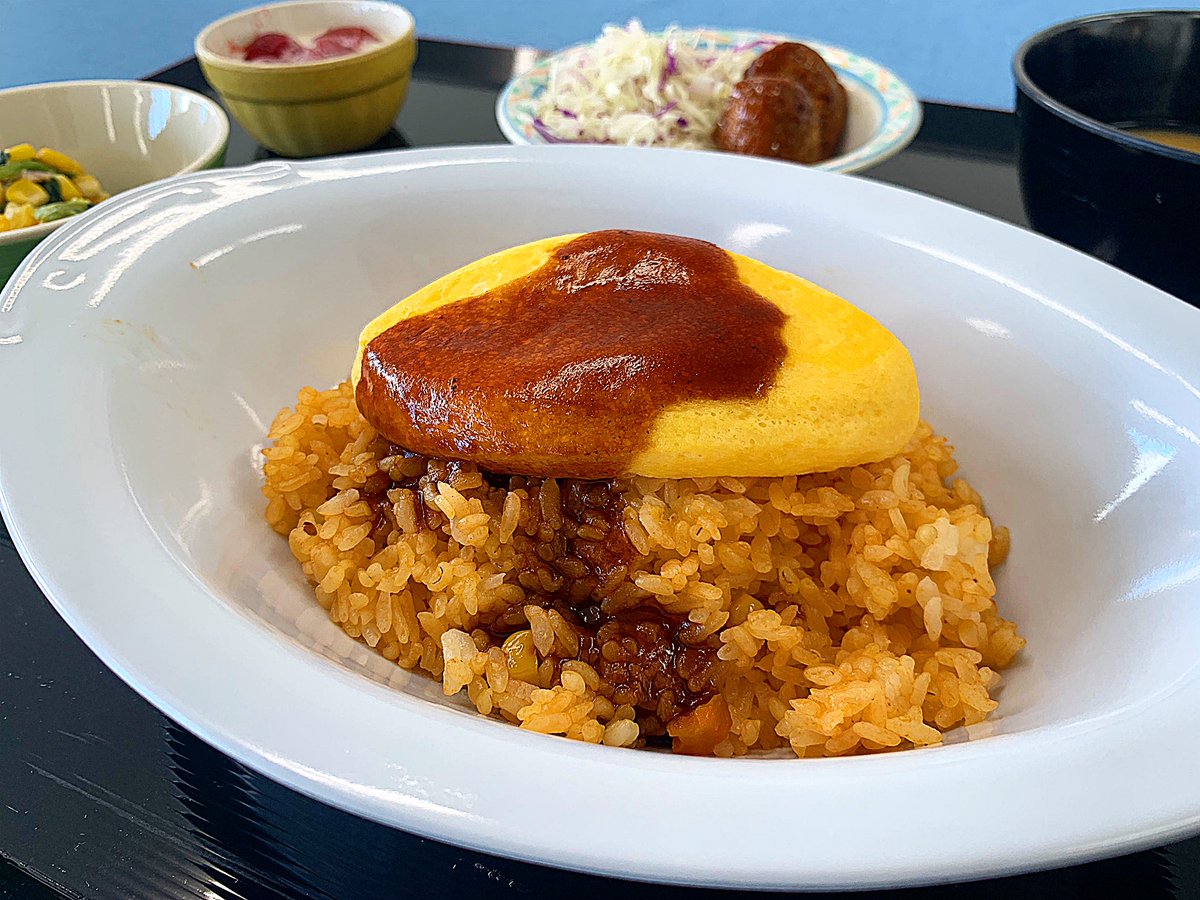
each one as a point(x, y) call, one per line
point(900, 111)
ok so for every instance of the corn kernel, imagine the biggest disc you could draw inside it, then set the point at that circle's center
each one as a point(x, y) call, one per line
point(20, 152)
point(67, 187)
point(4, 224)
point(22, 191)
point(521, 656)
point(60, 161)
point(89, 187)
point(19, 215)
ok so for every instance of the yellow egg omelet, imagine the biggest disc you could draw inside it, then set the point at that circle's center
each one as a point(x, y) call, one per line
point(845, 392)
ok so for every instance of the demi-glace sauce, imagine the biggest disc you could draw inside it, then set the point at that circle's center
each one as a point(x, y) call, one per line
point(646, 657)
point(563, 372)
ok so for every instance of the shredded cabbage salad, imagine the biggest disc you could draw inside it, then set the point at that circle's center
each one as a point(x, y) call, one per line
point(631, 87)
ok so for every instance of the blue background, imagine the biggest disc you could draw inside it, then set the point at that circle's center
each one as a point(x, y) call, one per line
point(953, 50)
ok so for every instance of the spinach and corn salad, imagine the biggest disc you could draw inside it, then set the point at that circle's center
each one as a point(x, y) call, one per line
point(44, 185)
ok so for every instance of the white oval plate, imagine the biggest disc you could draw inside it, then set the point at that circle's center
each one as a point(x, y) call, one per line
point(145, 350)
point(883, 115)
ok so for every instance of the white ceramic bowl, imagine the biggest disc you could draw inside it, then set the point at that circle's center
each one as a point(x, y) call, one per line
point(883, 115)
point(153, 341)
point(125, 133)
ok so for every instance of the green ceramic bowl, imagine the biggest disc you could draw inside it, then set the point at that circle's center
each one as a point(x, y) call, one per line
point(320, 107)
point(126, 133)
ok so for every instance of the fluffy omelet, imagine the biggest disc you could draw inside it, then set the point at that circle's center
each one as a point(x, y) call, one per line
point(845, 394)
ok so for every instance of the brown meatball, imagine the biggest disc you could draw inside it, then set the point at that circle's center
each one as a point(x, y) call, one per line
point(770, 117)
point(805, 66)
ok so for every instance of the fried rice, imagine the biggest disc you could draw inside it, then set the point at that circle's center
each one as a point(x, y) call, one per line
point(830, 614)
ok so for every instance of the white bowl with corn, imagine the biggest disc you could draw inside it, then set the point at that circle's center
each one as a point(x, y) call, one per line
point(67, 146)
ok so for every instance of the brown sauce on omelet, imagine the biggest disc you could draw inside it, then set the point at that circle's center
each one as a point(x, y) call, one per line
point(563, 372)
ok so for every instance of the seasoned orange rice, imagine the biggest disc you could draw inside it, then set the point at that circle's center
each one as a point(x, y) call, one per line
point(844, 612)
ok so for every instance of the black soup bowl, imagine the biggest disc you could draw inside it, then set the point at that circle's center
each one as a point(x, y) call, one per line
point(1086, 180)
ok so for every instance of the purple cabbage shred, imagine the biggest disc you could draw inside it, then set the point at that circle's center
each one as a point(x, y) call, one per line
point(755, 45)
point(668, 70)
point(544, 130)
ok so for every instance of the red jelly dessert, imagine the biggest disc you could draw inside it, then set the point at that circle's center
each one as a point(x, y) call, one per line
point(342, 41)
point(276, 47)
point(272, 47)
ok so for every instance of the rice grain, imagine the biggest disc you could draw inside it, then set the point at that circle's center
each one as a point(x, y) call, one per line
point(841, 612)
